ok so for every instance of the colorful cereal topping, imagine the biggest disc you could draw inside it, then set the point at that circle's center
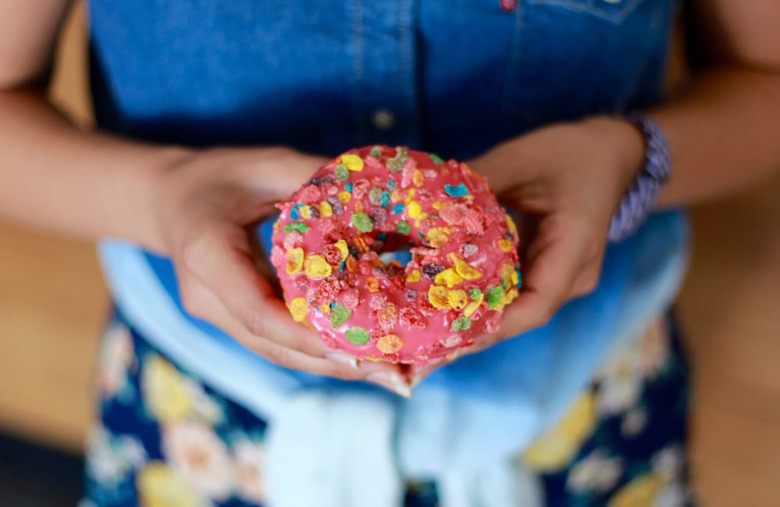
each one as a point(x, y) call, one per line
point(357, 336)
point(389, 344)
point(299, 308)
point(362, 222)
point(457, 190)
point(341, 237)
point(339, 315)
point(297, 227)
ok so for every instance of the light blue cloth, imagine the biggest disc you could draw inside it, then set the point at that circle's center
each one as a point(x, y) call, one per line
point(478, 412)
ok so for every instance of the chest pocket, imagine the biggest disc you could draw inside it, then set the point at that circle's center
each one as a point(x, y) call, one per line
point(574, 58)
point(614, 11)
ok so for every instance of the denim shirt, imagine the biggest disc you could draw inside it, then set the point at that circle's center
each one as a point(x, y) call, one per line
point(450, 76)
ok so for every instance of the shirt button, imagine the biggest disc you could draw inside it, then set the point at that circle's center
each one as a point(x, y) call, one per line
point(383, 119)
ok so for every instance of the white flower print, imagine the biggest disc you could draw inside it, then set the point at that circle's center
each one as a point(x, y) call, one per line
point(634, 422)
point(200, 457)
point(668, 462)
point(597, 472)
point(249, 468)
point(111, 459)
point(620, 382)
point(655, 348)
point(116, 356)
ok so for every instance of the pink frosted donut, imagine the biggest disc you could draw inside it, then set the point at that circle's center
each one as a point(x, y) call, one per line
point(329, 240)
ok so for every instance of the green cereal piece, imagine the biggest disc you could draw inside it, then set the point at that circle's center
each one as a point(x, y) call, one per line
point(494, 296)
point(396, 164)
point(403, 227)
point(461, 323)
point(339, 315)
point(297, 227)
point(504, 283)
point(376, 152)
point(436, 159)
point(362, 222)
point(341, 172)
point(474, 293)
point(357, 336)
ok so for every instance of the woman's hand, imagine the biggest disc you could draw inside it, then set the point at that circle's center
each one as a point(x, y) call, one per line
point(202, 208)
point(565, 181)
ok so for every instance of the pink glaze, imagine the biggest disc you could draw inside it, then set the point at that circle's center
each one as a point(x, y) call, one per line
point(404, 319)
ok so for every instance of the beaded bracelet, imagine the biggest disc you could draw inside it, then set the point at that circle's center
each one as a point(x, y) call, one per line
point(638, 201)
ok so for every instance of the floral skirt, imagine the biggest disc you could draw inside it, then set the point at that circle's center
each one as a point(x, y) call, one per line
point(163, 438)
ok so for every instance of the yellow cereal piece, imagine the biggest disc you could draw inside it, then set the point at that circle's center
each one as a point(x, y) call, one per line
point(343, 248)
point(324, 308)
point(466, 271)
point(505, 244)
point(448, 277)
point(316, 267)
point(326, 209)
point(511, 295)
point(472, 306)
point(414, 209)
point(439, 297)
point(514, 278)
point(410, 195)
point(389, 344)
point(507, 270)
point(294, 260)
point(414, 276)
point(458, 298)
point(352, 161)
point(438, 205)
point(299, 308)
point(511, 225)
point(437, 236)
point(417, 178)
point(395, 196)
point(372, 284)
point(344, 196)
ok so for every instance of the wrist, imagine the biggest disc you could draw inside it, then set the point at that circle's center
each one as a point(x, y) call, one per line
point(624, 143)
point(133, 208)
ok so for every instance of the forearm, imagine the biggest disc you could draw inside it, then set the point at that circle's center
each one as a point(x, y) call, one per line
point(724, 134)
point(57, 177)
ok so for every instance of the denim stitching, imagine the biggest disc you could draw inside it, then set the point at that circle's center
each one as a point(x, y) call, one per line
point(514, 59)
point(358, 33)
point(585, 6)
point(406, 59)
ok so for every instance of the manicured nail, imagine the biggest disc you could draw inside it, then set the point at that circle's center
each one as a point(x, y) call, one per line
point(416, 381)
point(390, 381)
point(341, 358)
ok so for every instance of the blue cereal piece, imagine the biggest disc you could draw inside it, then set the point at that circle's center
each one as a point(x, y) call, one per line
point(391, 184)
point(348, 187)
point(398, 209)
point(295, 214)
point(384, 200)
point(456, 191)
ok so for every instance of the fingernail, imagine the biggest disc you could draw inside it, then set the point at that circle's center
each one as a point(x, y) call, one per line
point(346, 359)
point(416, 381)
point(390, 381)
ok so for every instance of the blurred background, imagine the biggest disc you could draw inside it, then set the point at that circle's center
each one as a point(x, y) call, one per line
point(53, 304)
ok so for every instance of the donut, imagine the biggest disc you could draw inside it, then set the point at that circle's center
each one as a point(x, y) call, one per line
point(396, 255)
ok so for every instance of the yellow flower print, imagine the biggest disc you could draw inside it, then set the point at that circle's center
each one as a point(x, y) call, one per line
point(165, 390)
point(159, 486)
point(640, 492)
point(557, 447)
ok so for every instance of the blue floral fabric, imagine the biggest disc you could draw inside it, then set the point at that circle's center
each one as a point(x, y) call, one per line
point(164, 439)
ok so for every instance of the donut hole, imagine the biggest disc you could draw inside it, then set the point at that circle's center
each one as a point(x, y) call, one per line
point(393, 247)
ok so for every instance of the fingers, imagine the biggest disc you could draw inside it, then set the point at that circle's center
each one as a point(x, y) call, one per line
point(220, 259)
point(330, 363)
